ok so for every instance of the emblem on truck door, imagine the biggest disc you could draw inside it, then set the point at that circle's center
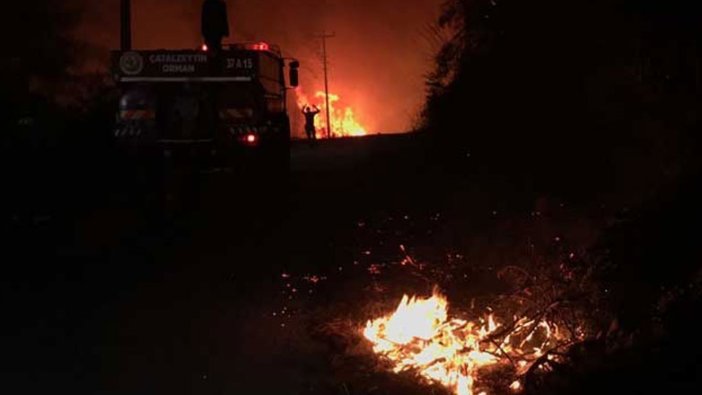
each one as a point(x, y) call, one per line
point(131, 63)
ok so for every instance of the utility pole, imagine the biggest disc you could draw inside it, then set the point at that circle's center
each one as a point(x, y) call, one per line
point(324, 36)
point(126, 25)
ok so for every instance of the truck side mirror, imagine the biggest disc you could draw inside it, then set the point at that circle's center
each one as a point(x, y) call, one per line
point(294, 74)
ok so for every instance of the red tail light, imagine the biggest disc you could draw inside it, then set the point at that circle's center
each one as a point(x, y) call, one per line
point(261, 46)
point(204, 48)
point(251, 138)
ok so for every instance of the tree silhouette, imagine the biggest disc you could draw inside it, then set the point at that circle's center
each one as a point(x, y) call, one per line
point(564, 85)
point(38, 48)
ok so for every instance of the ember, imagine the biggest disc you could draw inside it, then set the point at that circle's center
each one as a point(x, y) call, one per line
point(420, 336)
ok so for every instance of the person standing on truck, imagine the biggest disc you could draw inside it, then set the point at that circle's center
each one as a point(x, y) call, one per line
point(215, 23)
point(310, 113)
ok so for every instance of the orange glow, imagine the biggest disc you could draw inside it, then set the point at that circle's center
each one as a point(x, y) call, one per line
point(421, 337)
point(344, 122)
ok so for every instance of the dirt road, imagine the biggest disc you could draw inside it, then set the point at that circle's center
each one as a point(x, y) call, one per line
point(115, 299)
point(228, 292)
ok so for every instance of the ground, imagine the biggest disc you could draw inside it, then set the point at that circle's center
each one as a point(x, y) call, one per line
point(230, 292)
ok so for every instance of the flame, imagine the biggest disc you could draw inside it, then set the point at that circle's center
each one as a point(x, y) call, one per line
point(421, 337)
point(344, 122)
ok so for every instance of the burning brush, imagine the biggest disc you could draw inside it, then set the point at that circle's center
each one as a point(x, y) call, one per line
point(344, 122)
point(421, 337)
point(527, 328)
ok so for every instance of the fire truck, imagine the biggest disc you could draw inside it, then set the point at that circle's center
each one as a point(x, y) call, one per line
point(201, 103)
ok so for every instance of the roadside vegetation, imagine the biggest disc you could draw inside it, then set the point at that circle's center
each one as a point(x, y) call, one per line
point(595, 103)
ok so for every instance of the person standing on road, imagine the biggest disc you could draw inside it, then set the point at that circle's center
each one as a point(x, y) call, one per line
point(215, 23)
point(310, 113)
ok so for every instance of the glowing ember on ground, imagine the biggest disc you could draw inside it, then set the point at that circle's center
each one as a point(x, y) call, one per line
point(344, 122)
point(516, 386)
point(420, 336)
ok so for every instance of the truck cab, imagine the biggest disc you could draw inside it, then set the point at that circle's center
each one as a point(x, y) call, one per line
point(199, 102)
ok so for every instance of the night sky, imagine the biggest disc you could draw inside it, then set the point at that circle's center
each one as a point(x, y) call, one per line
point(378, 58)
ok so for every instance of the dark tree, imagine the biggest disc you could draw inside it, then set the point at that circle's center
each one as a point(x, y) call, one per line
point(565, 90)
point(37, 47)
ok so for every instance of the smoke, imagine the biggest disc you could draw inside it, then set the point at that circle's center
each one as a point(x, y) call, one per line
point(378, 58)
